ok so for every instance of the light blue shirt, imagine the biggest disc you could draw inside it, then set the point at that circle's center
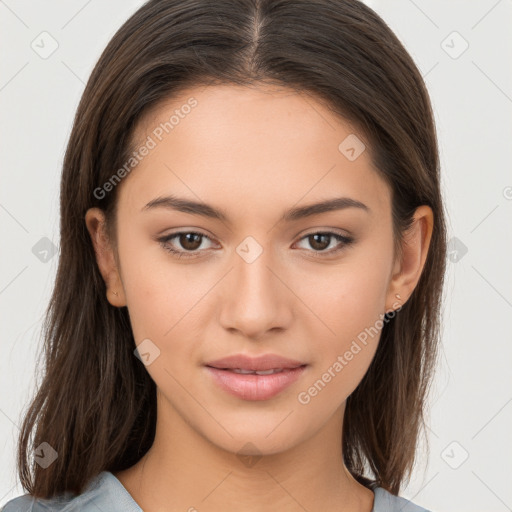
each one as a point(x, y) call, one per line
point(106, 493)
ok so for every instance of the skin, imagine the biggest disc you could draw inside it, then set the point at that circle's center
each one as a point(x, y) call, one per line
point(254, 152)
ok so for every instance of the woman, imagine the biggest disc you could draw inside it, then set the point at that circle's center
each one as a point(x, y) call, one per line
point(247, 307)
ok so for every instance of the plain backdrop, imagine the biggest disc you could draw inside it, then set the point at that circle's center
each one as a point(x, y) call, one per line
point(463, 49)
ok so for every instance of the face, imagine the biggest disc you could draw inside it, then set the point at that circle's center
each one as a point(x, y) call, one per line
point(261, 277)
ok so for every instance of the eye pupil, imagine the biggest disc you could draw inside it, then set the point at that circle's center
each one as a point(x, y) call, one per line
point(319, 246)
point(190, 241)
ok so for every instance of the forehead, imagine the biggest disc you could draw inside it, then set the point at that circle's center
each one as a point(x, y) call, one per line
point(252, 146)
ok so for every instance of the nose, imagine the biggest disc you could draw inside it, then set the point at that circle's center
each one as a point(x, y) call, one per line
point(255, 298)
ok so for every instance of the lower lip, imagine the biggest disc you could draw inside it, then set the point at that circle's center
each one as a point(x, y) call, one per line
point(252, 386)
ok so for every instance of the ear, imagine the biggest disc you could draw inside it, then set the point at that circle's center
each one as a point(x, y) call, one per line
point(407, 270)
point(95, 222)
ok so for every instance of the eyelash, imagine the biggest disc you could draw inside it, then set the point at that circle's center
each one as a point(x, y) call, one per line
point(345, 242)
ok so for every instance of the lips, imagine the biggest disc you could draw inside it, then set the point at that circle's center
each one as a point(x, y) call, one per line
point(254, 372)
point(247, 364)
point(255, 378)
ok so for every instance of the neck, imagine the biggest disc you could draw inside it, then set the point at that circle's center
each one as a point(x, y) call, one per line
point(185, 471)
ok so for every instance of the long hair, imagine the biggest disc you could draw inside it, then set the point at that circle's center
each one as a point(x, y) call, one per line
point(96, 403)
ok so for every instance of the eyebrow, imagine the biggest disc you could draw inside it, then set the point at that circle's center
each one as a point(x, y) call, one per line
point(199, 208)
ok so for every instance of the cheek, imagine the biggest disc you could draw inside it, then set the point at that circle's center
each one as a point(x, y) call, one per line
point(346, 337)
point(165, 302)
point(152, 293)
point(349, 298)
point(348, 304)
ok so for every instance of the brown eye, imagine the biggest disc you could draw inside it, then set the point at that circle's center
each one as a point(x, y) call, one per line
point(184, 243)
point(320, 241)
point(190, 241)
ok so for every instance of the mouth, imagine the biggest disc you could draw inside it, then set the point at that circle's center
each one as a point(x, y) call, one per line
point(262, 363)
point(255, 378)
point(243, 371)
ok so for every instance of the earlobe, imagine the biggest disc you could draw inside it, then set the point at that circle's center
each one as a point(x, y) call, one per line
point(115, 291)
point(407, 271)
point(105, 259)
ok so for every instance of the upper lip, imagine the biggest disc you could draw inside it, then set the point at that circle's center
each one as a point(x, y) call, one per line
point(263, 362)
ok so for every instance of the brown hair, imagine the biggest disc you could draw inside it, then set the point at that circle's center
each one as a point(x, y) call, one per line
point(96, 404)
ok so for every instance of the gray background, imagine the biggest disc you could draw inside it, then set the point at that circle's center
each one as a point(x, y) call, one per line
point(470, 463)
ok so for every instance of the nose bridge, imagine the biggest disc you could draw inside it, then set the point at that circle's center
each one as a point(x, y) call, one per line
point(255, 296)
point(252, 267)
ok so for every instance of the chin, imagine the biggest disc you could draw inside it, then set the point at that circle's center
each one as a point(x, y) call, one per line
point(257, 439)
